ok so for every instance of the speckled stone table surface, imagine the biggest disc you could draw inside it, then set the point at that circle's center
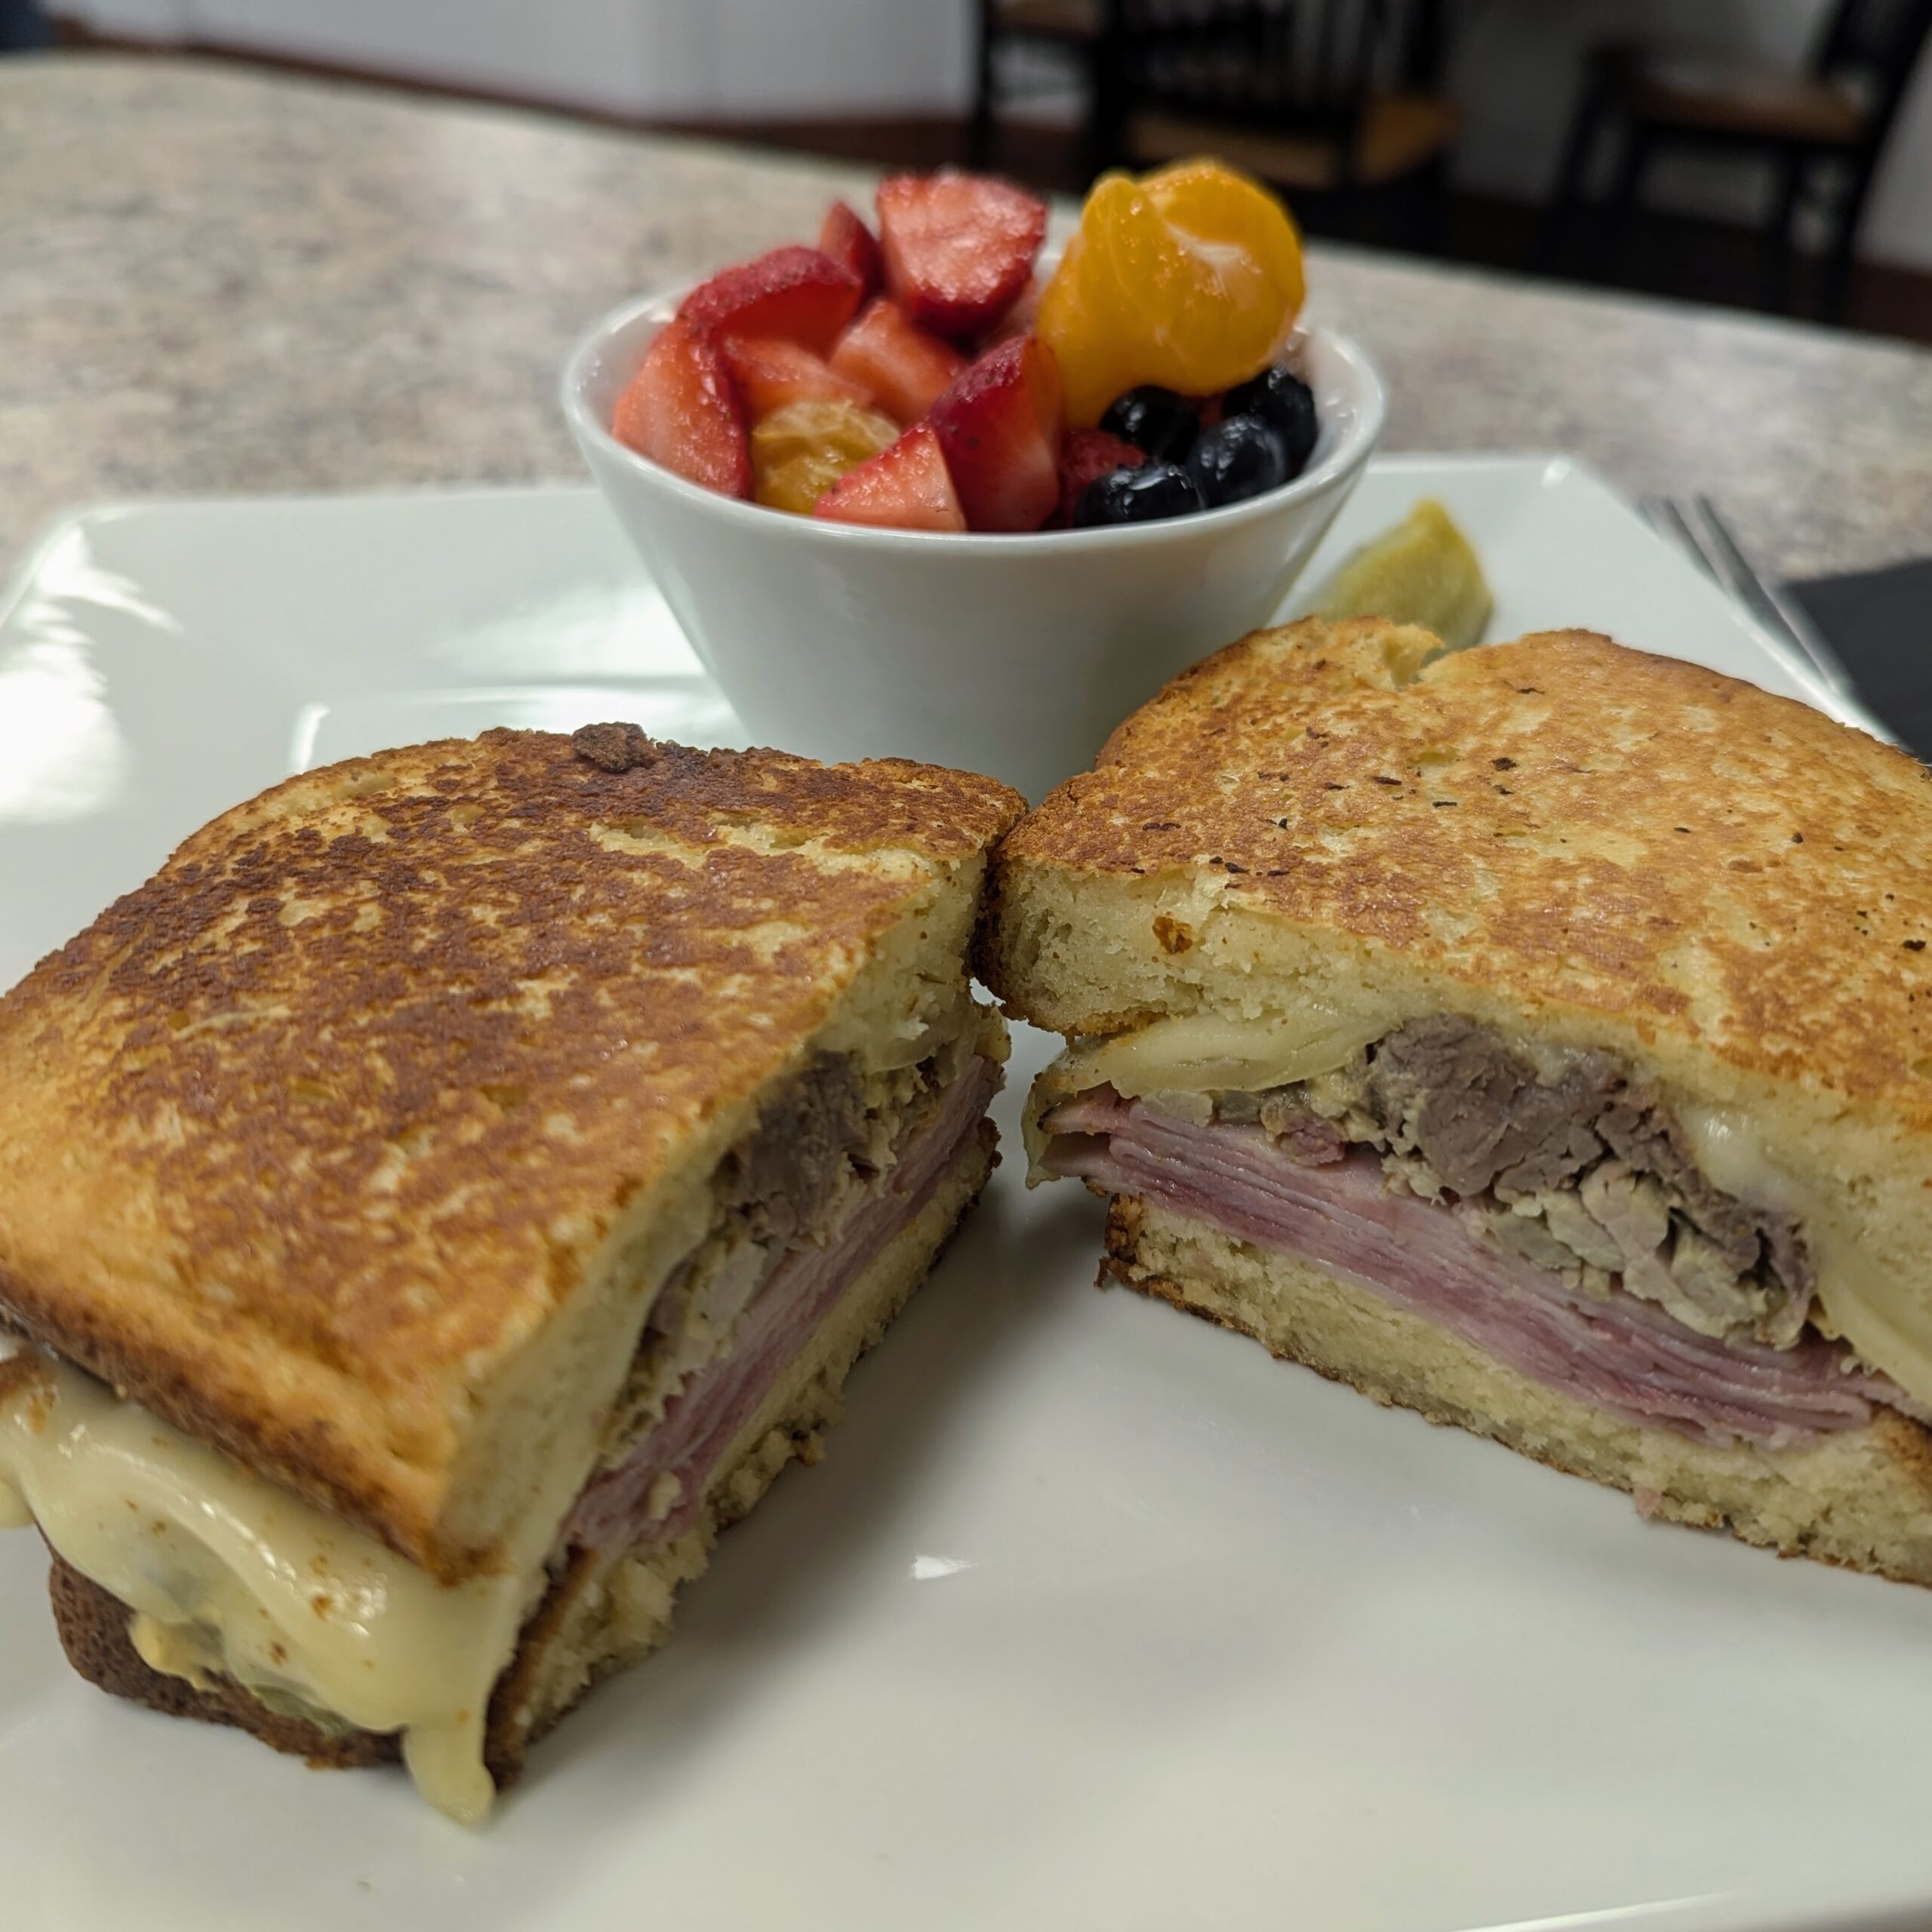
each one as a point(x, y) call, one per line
point(213, 281)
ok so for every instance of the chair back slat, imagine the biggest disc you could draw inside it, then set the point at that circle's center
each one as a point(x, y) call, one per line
point(1872, 46)
point(1300, 66)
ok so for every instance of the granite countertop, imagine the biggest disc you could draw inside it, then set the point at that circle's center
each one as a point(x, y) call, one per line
point(216, 281)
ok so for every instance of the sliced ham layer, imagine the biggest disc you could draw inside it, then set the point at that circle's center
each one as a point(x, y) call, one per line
point(616, 1509)
point(1617, 1353)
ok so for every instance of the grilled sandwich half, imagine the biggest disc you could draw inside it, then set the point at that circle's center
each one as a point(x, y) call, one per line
point(1538, 1036)
point(449, 1191)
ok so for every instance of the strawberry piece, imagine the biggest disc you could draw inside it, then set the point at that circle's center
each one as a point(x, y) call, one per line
point(1000, 427)
point(1085, 455)
point(680, 410)
point(849, 242)
point(795, 293)
point(771, 373)
point(904, 367)
point(958, 248)
point(1018, 318)
point(904, 487)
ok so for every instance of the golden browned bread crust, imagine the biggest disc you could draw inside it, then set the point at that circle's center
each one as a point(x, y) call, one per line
point(303, 1141)
point(1578, 824)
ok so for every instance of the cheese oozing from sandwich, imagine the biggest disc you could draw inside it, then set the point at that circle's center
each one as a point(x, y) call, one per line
point(226, 1574)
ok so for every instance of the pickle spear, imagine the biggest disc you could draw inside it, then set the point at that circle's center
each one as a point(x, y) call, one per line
point(1422, 570)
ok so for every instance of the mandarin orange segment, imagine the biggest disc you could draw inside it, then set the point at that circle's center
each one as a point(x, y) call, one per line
point(1190, 277)
point(799, 451)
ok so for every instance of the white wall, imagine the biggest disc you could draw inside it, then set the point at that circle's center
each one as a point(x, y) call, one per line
point(883, 56)
point(1898, 221)
point(726, 58)
point(143, 19)
point(1516, 67)
point(609, 54)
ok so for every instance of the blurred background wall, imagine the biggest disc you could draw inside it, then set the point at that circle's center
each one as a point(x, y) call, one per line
point(1513, 67)
point(683, 58)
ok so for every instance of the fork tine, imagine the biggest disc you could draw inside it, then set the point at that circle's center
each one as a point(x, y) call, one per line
point(1736, 568)
point(1703, 535)
point(1665, 514)
point(1772, 602)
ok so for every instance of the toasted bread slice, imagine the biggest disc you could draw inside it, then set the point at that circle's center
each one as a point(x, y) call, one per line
point(351, 1142)
point(475, 1169)
point(1620, 963)
point(1324, 831)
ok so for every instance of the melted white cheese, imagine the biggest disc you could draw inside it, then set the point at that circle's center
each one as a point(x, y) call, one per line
point(226, 1572)
point(1200, 1052)
point(1857, 1299)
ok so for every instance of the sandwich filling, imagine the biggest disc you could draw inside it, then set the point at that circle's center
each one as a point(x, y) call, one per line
point(225, 1574)
point(1549, 1208)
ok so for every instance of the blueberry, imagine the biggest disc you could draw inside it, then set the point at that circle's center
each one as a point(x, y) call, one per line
point(1137, 495)
point(1240, 457)
point(1281, 397)
point(1154, 419)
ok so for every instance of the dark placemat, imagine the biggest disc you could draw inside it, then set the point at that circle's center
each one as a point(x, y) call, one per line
point(1880, 623)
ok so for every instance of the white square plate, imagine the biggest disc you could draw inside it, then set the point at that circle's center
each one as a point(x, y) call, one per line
point(1094, 1616)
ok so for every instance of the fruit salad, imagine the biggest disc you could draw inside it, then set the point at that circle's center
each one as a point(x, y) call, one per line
point(922, 376)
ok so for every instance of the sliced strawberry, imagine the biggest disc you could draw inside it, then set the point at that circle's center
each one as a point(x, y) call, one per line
point(1085, 455)
point(681, 410)
point(902, 366)
point(1000, 427)
point(771, 373)
point(958, 248)
point(795, 293)
point(904, 487)
point(1018, 319)
point(849, 242)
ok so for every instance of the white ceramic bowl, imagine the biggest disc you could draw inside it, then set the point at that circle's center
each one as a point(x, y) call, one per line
point(1011, 655)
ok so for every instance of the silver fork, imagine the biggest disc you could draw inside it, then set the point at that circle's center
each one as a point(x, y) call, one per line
point(1693, 523)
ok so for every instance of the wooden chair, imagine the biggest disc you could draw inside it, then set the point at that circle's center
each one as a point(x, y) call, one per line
point(1076, 28)
point(1315, 96)
point(1832, 116)
point(1327, 96)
